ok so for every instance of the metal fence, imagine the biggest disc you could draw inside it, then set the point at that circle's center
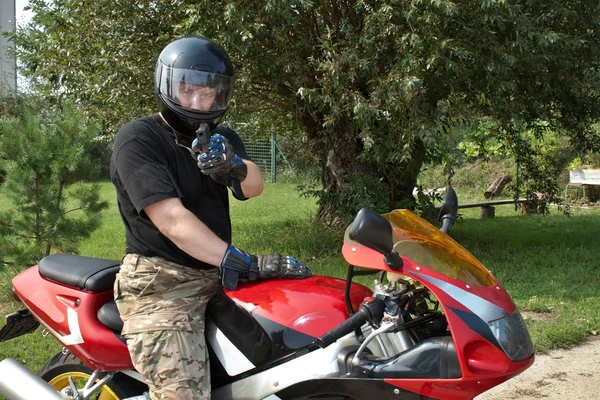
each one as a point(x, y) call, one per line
point(264, 153)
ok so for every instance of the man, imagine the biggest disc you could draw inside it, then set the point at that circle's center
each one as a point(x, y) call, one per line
point(171, 171)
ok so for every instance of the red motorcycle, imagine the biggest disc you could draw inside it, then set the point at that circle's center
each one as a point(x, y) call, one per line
point(437, 325)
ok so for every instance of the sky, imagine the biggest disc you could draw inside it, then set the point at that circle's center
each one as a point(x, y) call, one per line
point(22, 16)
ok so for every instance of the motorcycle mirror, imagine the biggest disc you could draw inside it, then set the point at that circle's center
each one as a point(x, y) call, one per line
point(449, 209)
point(373, 231)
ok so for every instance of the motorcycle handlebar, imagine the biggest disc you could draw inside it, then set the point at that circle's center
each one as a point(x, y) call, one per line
point(344, 328)
point(368, 311)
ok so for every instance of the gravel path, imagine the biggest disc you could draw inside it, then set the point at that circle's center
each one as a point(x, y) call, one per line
point(572, 374)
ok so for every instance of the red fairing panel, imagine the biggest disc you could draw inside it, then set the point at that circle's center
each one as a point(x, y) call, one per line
point(312, 306)
point(483, 365)
point(71, 315)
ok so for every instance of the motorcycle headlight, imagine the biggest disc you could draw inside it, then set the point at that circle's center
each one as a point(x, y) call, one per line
point(513, 336)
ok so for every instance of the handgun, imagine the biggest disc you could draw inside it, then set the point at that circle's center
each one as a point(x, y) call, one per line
point(200, 144)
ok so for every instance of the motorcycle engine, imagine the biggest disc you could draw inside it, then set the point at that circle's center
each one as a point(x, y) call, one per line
point(412, 314)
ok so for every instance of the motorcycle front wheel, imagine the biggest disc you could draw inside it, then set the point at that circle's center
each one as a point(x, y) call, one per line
point(62, 366)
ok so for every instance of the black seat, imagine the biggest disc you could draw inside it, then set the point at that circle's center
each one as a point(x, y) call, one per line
point(108, 314)
point(86, 273)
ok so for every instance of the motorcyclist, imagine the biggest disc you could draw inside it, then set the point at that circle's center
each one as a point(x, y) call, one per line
point(171, 171)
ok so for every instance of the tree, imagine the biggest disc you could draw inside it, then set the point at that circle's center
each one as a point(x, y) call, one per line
point(101, 54)
point(44, 157)
point(373, 83)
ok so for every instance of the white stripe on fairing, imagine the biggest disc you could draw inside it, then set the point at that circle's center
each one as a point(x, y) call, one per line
point(272, 397)
point(74, 337)
point(320, 363)
point(232, 359)
point(481, 307)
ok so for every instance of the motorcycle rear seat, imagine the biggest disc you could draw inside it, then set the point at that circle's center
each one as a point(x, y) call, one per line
point(108, 314)
point(86, 273)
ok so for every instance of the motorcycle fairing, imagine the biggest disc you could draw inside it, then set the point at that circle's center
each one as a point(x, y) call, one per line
point(424, 244)
point(310, 365)
point(241, 341)
point(346, 389)
point(254, 332)
point(71, 315)
point(470, 295)
point(483, 363)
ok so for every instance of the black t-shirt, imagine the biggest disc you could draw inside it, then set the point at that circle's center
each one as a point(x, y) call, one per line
point(148, 166)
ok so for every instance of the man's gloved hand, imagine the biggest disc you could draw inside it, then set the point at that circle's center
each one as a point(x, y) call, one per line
point(275, 265)
point(220, 159)
point(238, 264)
point(222, 164)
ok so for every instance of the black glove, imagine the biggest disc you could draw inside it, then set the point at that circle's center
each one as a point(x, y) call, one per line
point(238, 264)
point(222, 164)
point(275, 265)
point(220, 160)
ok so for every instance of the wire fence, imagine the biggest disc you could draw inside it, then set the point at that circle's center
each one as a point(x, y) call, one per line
point(261, 152)
point(265, 153)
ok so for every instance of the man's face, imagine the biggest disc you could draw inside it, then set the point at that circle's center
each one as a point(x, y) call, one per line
point(199, 98)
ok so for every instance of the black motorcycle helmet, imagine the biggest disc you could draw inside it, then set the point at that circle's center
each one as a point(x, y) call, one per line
point(194, 83)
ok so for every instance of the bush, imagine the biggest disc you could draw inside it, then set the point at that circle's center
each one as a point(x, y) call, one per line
point(360, 191)
point(47, 159)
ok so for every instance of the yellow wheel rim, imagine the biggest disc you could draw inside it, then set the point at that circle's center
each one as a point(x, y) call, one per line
point(61, 382)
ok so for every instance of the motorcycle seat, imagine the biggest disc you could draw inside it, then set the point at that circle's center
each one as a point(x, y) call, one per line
point(86, 273)
point(108, 314)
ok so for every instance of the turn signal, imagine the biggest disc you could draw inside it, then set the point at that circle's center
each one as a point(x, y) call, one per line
point(483, 358)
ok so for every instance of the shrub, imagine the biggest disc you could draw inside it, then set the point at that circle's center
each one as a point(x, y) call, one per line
point(46, 157)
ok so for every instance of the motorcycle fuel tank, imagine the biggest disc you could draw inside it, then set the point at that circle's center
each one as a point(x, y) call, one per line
point(277, 318)
point(299, 308)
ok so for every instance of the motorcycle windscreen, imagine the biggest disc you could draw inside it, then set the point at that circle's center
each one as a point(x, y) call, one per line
point(424, 244)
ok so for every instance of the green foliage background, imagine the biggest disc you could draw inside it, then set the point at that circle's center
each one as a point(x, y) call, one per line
point(372, 85)
point(46, 155)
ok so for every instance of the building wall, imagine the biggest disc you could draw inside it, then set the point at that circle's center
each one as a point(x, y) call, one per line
point(8, 64)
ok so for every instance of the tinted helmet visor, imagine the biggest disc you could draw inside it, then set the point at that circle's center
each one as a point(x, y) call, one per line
point(195, 91)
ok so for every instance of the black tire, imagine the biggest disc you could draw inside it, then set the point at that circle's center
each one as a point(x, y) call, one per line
point(63, 365)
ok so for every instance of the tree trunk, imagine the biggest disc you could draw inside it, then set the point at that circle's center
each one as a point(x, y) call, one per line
point(340, 158)
point(529, 207)
point(405, 180)
point(496, 188)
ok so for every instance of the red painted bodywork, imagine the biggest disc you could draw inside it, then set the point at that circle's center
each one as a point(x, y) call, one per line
point(101, 349)
point(482, 364)
point(312, 306)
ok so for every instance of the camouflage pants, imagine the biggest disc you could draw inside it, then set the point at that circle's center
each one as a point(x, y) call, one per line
point(162, 305)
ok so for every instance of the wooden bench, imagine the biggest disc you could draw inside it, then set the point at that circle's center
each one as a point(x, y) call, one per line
point(486, 208)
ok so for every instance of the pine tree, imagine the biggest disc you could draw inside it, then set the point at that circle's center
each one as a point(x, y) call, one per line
point(47, 160)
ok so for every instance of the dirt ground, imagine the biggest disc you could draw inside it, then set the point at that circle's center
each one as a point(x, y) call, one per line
point(571, 374)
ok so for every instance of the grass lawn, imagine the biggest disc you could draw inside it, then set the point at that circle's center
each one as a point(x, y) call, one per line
point(548, 264)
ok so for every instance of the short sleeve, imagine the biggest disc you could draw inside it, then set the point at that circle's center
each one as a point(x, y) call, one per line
point(144, 174)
